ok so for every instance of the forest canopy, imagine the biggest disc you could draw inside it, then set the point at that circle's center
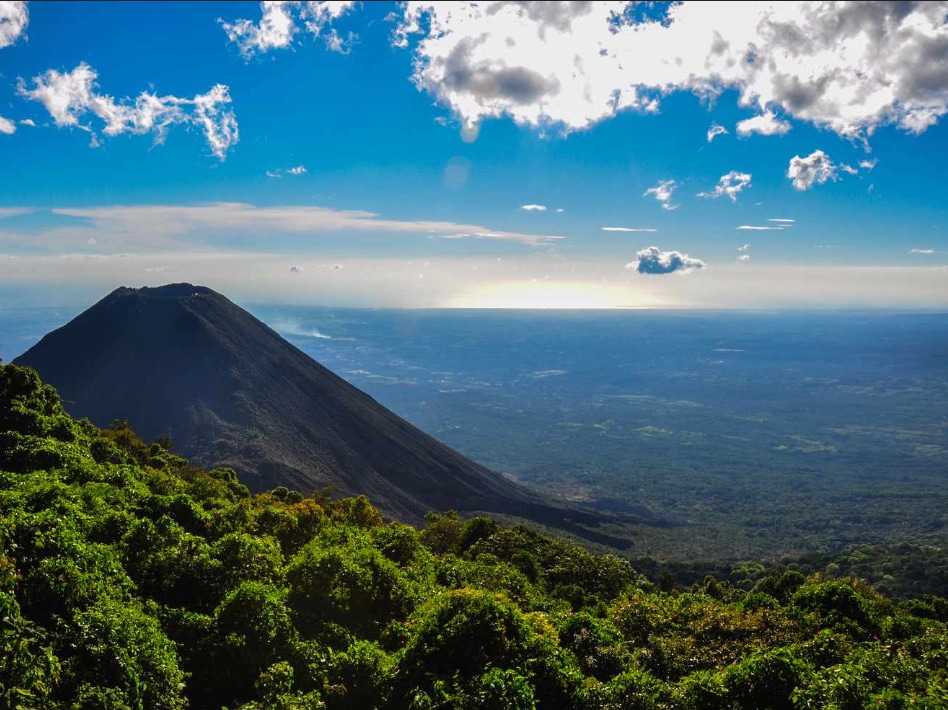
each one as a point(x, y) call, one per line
point(130, 579)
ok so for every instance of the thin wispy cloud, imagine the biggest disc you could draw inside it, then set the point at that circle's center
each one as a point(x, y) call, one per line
point(663, 192)
point(730, 185)
point(760, 228)
point(533, 208)
point(921, 251)
point(628, 229)
point(169, 225)
point(715, 130)
point(14, 211)
point(781, 220)
point(744, 248)
point(279, 172)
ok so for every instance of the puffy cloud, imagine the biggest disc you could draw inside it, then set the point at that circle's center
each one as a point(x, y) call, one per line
point(847, 66)
point(815, 169)
point(533, 208)
point(14, 17)
point(731, 185)
point(921, 251)
point(7, 126)
point(767, 124)
point(280, 21)
point(744, 248)
point(744, 258)
point(868, 164)
point(663, 192)
point(28, 122)
point(71, 96)
point(715, 131)
point(655, 261)
point(628, 229)
point(298, 170)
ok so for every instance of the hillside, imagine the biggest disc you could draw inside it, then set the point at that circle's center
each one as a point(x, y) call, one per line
point(184, 363)
point(129, 579)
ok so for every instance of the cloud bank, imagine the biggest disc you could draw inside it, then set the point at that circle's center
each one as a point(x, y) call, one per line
point(846, 67)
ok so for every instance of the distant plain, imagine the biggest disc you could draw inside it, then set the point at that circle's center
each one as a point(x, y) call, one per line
point(752, 434)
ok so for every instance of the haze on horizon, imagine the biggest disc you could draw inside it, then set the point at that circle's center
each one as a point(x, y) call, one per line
point(489, 155)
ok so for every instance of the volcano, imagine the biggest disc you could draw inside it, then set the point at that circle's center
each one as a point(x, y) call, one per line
point(184, 362)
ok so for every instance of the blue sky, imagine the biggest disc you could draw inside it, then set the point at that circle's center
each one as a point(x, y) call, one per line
point(380, 154)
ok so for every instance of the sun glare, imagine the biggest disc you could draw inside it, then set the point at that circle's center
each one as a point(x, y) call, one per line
point(546, 294)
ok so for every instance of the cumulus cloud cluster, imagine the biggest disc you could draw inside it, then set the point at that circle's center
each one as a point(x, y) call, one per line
point(847, 66)
point(280, 22)
point(653, 260)
point(731, 185)
point(815, 169)
point(70, 97)
point(663, 192)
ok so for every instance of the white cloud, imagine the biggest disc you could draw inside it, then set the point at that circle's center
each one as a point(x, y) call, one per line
point(170, 225)
point(781, 220)
point(754, 228)
point(663, 192)
point(715, 131)
point(281, 21)
point(744, 248)
point(731, 185)
point(767, 124)
point(533, 208)
point(559, 209)
point(921, 251)
point(628, 229)
point(848, 169)
point(868, 164)
point(71, 96)
point(7, 126)
point(847, 67)
point(28, 122)
point(653, 260)
point(14, 211)
point(280, 172)
point(815, 169)
point(14, 17)
point(744, 258)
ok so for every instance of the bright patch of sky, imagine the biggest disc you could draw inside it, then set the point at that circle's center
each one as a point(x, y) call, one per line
point(446, 154)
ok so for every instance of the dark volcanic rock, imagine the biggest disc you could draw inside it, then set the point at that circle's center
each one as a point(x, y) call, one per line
point(184, 362)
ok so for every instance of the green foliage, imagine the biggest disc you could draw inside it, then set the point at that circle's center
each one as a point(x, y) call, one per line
point(131, 580)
